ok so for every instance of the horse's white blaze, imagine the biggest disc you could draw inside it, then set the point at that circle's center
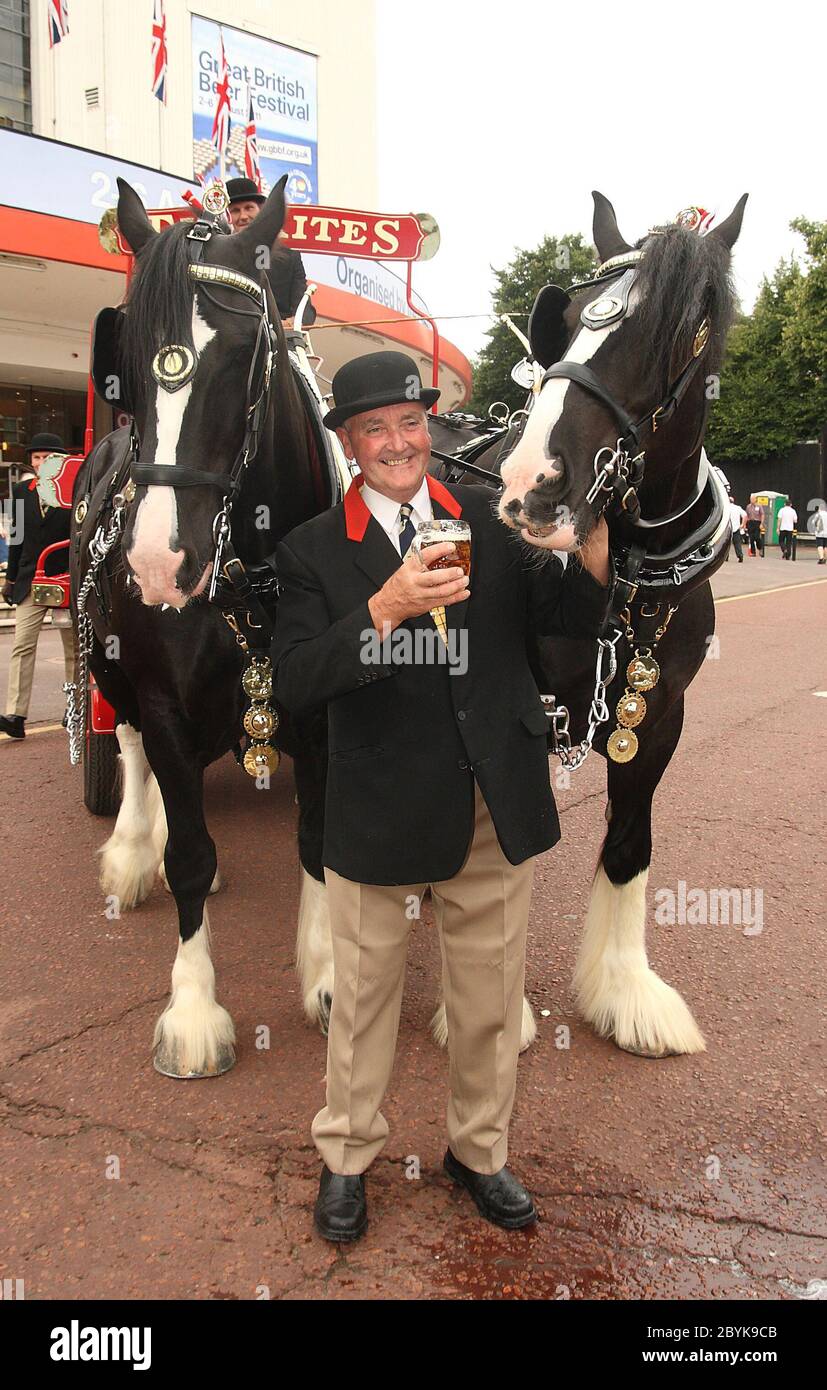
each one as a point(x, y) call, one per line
point(530, 457)
point(314, 949)
point(156, 524)
point(129, 858)
point(617, 991)
point(194, 1029)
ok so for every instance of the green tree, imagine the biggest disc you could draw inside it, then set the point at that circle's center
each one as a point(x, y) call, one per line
point(557, 260)
point(760, 411)
point(805, 333)
point(773, 389)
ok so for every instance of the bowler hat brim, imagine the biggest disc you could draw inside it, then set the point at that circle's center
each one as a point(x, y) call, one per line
point(336, 417)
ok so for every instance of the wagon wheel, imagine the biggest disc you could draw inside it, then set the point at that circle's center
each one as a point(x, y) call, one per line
point(100, 769)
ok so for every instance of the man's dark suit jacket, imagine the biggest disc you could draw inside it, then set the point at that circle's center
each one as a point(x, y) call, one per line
point(407, 741)
point(38, 532)
point(288, 283)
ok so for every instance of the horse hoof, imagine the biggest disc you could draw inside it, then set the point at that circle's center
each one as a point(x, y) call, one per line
point(647, 1052)
point(323, 1006)
point(167, 1061)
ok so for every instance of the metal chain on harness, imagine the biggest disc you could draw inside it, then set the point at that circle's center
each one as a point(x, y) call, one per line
point(76, 690)
point(605, 672)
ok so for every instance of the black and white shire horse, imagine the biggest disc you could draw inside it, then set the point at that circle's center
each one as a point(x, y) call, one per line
point(219, 427)
point(617, 426)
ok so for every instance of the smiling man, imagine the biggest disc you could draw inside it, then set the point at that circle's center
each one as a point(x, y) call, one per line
point(436, 778)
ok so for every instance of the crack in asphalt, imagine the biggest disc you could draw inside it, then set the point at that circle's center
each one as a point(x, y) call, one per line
point(87, 1028)
point(676, 1209)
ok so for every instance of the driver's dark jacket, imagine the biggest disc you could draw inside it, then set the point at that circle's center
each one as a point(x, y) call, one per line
point(289, 284)
point(408, 740)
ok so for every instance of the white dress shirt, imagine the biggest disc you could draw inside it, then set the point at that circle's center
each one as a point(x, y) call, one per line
point(787, 519)
point(386, 511)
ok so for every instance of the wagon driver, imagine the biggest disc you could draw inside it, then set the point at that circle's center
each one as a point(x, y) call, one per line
point(437, 775)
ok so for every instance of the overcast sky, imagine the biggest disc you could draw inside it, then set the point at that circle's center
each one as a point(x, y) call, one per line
point(500, 120)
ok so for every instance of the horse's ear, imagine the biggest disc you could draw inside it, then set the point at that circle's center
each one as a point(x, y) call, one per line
point(547, 331)
point(605, 231)
point(132, 218)
point(729, 230)
point(245, 247)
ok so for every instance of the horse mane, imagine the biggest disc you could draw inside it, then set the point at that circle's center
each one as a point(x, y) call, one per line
point(158, 306)
point(682, 279)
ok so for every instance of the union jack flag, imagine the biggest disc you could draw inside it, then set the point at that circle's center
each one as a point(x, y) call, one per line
point(58, 20)
point(159, 52)
point(221, 119)
point(251, 168)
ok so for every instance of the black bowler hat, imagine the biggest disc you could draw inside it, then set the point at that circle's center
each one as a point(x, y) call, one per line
point(379, 378)
point(243, 191)
point(47, 444)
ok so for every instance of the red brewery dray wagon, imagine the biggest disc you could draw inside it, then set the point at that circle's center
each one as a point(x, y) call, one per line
point(50, 589)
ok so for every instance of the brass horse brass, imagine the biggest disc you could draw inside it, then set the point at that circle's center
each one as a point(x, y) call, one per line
point(622, 745)
point(173, 366)
point(643, 673)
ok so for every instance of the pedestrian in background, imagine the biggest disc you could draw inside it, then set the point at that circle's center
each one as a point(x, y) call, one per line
point(819, 530)
point(755, 520)
point(737, 517)
point(41, 525)
point(787, 522)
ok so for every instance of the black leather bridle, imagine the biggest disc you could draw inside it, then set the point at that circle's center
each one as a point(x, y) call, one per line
point(623, 474)
point(257, 402)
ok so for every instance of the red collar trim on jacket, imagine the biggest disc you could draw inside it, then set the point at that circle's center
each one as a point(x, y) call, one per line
point(32, 484)
point(357, 514)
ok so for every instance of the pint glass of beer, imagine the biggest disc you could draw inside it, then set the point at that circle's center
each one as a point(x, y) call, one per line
point(437, 532)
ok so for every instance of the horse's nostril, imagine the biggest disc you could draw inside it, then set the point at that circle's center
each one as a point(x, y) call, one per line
point(513, 507)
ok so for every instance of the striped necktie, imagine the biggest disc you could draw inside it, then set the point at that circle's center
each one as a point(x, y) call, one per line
point(405, 527)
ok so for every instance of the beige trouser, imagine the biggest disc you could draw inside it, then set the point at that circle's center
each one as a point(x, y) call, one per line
point(482, 917)
point(28, 622)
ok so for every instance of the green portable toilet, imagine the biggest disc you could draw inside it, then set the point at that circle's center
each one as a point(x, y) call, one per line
point(772, 502)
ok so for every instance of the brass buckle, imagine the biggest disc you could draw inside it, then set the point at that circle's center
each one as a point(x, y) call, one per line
point(658, 412)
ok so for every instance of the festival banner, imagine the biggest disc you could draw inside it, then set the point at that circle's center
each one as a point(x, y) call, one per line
point(280, 84)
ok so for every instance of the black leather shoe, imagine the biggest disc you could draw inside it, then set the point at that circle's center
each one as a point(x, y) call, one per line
point(13, 724)
point(341, 1211)
point(499, 1196)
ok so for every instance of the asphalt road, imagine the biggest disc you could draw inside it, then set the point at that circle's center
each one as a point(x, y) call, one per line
point(700, 1176)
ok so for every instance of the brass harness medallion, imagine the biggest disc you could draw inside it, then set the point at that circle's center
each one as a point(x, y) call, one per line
point(173, 366)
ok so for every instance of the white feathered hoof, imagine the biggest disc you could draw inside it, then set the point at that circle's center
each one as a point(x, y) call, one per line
point(651, 1020)
point(314, 952)
point(439, 1027)
point(323, 1005)
point(194, 1036)
point(528, 1027)
point(127, 869)
point(194, 1042)
point(617, 991)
